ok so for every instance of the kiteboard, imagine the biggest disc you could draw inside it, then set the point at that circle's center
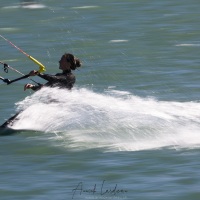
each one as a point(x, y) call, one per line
point(6, 131)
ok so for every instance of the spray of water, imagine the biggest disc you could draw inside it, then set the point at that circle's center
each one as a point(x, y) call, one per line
point(115, 120)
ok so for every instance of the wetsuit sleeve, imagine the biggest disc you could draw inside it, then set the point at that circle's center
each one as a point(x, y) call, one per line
point(48, 77)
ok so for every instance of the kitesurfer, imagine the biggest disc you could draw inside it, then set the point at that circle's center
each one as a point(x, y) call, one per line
point(66, 79)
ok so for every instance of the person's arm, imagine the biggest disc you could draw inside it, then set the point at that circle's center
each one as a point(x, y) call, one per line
point(51, 78)
point(47, 77)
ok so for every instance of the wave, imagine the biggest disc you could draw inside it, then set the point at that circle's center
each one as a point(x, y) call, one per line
point(187, 45)
point(85, 7)
point(26, 6)
point(113, 120)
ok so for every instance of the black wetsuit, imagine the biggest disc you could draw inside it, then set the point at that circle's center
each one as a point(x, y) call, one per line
point(62, 80)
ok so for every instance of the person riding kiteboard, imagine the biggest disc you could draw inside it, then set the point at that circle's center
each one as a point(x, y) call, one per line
point(66, 79)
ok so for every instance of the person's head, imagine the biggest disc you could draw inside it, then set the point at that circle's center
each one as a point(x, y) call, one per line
point(69, 61)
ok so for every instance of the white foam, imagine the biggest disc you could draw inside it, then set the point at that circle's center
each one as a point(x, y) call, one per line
point(117, 121)
point(33, 6)
point(26, 6)
point(9, 29)
point(85, 7)
point(187, 45)
point(117, 41)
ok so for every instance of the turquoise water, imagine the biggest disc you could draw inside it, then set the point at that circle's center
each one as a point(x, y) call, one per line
point(130, 127)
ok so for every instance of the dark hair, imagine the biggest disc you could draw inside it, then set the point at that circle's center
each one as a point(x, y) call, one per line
point(75, 62)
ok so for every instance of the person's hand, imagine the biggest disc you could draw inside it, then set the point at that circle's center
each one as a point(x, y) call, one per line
point(33, 73)
point(28, 86)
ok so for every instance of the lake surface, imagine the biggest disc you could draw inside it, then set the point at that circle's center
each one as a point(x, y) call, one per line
point(129, 129)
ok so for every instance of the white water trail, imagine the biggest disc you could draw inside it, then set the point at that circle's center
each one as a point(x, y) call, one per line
point(115, 120)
